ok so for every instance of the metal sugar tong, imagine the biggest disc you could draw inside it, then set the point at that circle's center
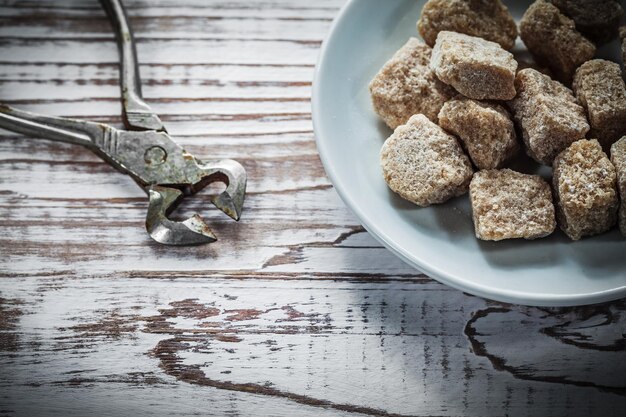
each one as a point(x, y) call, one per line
point(161, 167)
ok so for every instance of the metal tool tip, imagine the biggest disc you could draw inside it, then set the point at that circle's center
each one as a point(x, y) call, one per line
point(229, 205)
point(193, 231)
point(231, 200)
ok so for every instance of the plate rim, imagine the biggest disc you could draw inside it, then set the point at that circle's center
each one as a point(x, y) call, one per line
point(422, 265)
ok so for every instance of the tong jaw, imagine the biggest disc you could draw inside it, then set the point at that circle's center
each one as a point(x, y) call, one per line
point(230, 172)
point(193, 231)
point(167, 172)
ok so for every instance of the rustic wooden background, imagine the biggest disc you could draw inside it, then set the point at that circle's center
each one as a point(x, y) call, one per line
point(296, 310)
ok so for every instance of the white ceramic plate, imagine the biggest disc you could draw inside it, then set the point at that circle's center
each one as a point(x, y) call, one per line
point(439, 240)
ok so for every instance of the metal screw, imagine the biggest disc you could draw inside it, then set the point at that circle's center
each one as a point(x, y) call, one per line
point(155, 155)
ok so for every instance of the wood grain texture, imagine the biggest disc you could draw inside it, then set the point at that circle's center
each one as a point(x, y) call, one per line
point(296, 310)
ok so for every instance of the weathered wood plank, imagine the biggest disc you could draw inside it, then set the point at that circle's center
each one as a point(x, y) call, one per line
point(407, 347)
point(236, 51)
point(167, 87)
point(240, 24)
point(165, 7)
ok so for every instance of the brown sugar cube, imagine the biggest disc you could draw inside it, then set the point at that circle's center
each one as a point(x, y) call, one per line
point(548, 115)
point(487, 19)
point(553, 39)
point(584, 184)
point(595, 19)
point(406, 86)
point(424, 164)
point(618, 158)
point(476, 68)
point(599, 86)
point(510, 205)
point(486, 130)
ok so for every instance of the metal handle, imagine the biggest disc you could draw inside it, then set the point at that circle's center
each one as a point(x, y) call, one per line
point(52, 128)
point(136, 113)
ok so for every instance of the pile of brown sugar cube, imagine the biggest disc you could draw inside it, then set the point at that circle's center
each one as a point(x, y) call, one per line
point(462, 106)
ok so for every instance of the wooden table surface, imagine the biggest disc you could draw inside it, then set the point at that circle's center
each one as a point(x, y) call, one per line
point(296, 310)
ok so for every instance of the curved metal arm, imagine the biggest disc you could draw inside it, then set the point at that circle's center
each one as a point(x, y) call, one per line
point(136, 113)
point(193, 231)
point(231, 173)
